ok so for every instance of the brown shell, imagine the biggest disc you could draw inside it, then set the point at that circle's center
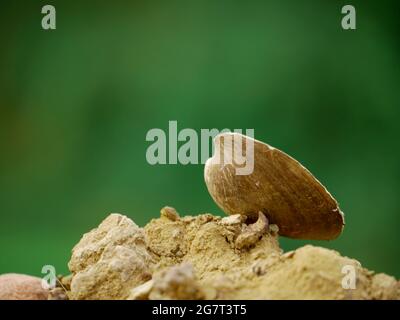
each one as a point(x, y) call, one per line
point(279, 186)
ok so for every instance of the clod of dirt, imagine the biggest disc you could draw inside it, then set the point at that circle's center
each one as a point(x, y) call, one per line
point(313, 273)
point(141, 292)
point(57, 294)
point(174, 283)
point(199, 258)
point(62, 288)
point(208, 242)
point(110, 260)
point(252, 233)
point(385, 287)
point(21, 287)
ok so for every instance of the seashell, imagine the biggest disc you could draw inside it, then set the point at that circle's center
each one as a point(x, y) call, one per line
point(278, 186)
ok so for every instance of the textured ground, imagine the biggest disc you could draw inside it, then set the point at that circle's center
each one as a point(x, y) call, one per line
point(208, 257)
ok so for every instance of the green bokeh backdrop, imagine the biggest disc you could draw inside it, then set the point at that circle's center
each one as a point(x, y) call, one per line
point(76, 104)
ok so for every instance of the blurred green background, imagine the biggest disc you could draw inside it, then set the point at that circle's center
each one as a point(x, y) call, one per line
point(76, 104)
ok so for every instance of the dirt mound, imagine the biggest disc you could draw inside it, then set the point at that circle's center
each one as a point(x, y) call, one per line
point(208, 257)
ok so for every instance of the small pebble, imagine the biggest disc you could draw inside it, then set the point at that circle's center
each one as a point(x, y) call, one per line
point(21, 287)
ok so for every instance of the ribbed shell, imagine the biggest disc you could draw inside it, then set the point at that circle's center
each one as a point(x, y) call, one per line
point(279, 186)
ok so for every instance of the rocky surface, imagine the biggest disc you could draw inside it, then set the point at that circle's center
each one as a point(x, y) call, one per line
point(208, 257)
point(174, 283)
point(110, 260)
